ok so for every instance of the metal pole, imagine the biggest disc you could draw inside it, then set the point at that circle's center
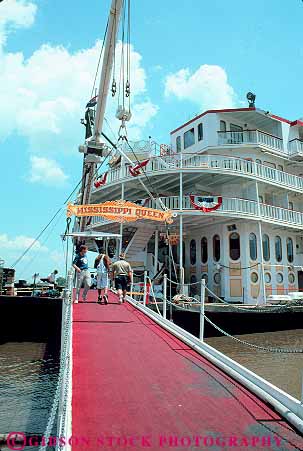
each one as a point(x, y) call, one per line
point(132, 284)
point(156, 252)
point(164, 295)
point(260, 247)
point(181, 227)
point(144, 293)
point(121, 224)
point(202, 309)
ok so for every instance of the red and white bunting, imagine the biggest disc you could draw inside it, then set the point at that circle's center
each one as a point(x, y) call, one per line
point(135, 170)
point(101, 181)
point(205, 203)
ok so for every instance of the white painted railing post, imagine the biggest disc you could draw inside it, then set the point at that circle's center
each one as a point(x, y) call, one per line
point(202, 309)
point(132, 284)
point(164, 295)
point(144, 295)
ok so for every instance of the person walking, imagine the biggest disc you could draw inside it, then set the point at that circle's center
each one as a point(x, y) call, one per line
point(122, 273)
point(102, 264)
point(80, 264)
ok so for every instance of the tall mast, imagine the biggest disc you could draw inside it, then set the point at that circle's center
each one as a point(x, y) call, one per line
point(108, 59)
point(93, 148)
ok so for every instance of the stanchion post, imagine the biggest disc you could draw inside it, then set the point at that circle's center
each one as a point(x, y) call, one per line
point(131, 284)
point(164, 295)
point(202, 309)
point(144, 292)
point(182, 280)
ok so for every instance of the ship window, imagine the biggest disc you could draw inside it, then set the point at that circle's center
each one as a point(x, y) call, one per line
point(222, 126)
point(290, 250)
point(234, 246)
point(278, 248)
point(204, 253)
point(178, 144)
point(267, 277)
point(290, 205)
point(266, 248)
point(253, 246)
point(280, 168)
point(216, 248)
point(200, 132)
point(205, 277)
point(279, 277)
point(254, 277)
point(189, 138)
point(217, 278)
point(258, 161)
point(192, 252)
point(291, 278)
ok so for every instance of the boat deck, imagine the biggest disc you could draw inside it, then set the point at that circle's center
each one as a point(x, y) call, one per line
point(136, 386)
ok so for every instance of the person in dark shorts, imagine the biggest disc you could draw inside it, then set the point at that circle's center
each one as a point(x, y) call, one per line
point(122, 273)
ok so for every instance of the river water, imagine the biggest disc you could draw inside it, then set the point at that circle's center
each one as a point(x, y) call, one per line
point(283, 370)
point(27, 387)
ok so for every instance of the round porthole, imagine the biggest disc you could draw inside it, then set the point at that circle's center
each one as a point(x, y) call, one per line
point(205, 277)
point(254, 277)
point(291, 278)
point(267, 277)
point(217, 278)
point(279, 277)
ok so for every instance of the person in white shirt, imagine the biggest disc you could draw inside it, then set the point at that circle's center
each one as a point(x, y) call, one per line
point(102, 264)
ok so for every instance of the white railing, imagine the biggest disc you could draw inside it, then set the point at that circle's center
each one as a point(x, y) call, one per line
point(240, 207)
point(295, 147)
point(250, 137)
point(212, 163)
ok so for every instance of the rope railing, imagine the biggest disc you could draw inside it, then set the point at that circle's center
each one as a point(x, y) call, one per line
point(59, 406)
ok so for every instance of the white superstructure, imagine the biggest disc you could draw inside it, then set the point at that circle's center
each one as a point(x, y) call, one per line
point(252, 245)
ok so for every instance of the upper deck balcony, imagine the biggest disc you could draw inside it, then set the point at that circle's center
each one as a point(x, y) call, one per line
point(208, 165)
point(295, 148)
point(251, 137)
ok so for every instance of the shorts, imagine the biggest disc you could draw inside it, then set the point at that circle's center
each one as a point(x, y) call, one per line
point(102, 281)
point(121, 282)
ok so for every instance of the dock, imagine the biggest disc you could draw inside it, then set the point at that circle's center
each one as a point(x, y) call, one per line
point(135, 386)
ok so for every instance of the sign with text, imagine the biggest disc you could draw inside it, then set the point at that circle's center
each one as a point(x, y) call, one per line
point(120, 211)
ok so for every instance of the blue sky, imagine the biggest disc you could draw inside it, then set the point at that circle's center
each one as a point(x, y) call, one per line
point(187, 56)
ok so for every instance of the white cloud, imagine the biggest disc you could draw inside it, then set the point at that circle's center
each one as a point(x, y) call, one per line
point(208, 87)
point(20, 242)
point(15, 14)
point(43, 96)
point(46, 171)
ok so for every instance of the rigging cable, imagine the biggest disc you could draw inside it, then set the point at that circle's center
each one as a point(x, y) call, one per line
point(100, 56)
point(55, 215)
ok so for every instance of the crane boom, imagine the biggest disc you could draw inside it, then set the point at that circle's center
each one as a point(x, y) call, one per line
point(108, 59)
point(94, 147)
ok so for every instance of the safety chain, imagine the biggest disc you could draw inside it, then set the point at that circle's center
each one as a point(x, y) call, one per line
point(261, 348)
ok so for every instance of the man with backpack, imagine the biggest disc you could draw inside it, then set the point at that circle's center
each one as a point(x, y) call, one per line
point(102, 264)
